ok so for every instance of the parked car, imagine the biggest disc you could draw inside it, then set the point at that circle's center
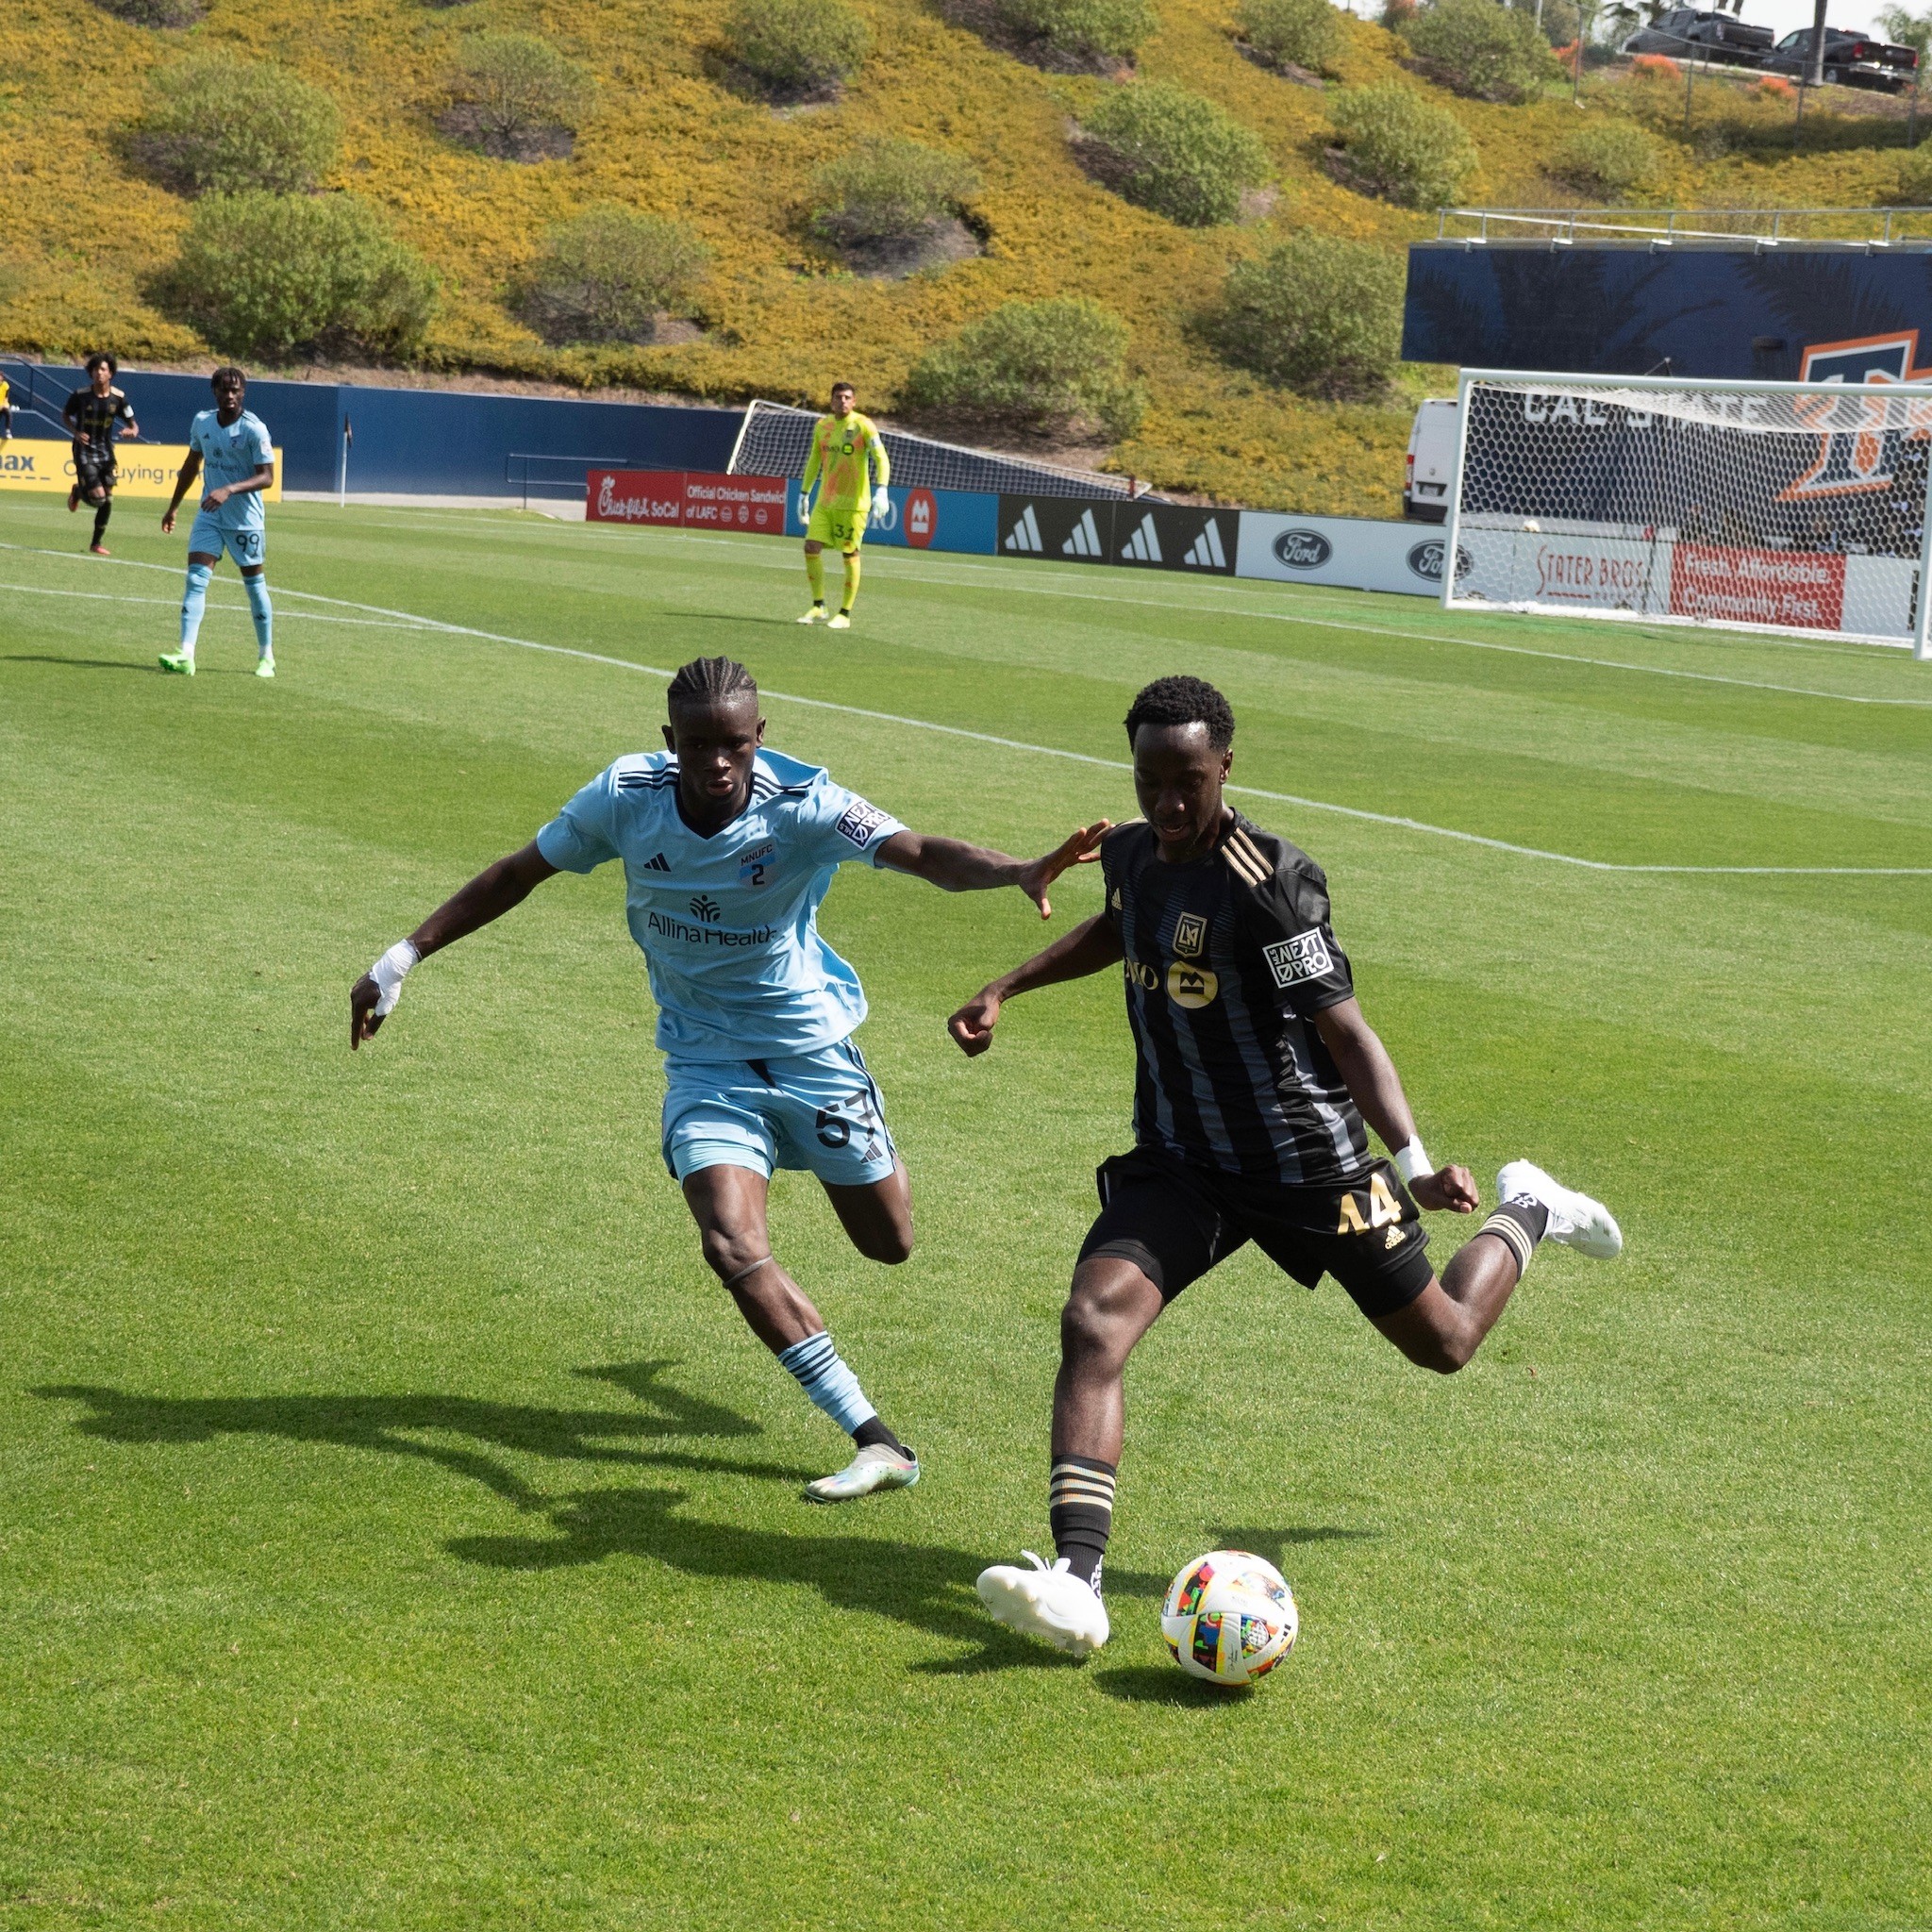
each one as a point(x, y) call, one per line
point(1431, 465)
point(1684, 33)
point(1855, 60)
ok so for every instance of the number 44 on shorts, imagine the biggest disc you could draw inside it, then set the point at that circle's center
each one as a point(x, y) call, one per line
point(1383, 1209)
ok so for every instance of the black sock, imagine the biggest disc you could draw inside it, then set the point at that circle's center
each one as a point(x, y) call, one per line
point(1519, 1224)
point(101, 513)
point(872, 1430)
point(1080, 1509)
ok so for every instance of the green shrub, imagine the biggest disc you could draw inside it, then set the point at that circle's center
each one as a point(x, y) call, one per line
point(1402, 146)
point(1317, 313)
point(887, 189)
point(1302, 33)
point(267, 275)
point(1480, 48)
point(1563, 19)
point(1607, 158)
point(1112, 28)
point(216, 124)
point(605, 275)
point(517, 83)
point(797, 46)
point(1176, 153)
point(1914, 188)
point(155, 12)
point(1034, 365)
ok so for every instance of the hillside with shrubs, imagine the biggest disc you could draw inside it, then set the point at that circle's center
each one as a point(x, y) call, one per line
point(1164, 236)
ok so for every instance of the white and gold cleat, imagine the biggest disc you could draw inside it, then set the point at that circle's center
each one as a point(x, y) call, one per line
point(1576, 1220)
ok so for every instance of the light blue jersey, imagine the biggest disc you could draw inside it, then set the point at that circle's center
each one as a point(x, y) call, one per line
point(231, 452)
point(728, 923)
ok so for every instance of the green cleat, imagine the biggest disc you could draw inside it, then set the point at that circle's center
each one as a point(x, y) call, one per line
point(179, 662)
point(264, 667)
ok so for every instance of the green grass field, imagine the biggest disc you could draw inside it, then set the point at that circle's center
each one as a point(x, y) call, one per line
point(399, 1530)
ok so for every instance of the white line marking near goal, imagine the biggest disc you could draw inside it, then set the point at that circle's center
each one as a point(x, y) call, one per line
point(410, 621)
point(235, 610)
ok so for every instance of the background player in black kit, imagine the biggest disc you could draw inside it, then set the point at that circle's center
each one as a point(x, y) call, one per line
point(95, 416)
point(1256, 1073)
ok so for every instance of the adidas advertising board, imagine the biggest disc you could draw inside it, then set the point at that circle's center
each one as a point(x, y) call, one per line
point(1060, 530)
point(1176, 536)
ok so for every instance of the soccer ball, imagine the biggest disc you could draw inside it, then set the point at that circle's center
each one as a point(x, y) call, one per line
point(1229, 1617)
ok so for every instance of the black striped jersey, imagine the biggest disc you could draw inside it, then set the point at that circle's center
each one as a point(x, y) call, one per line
point(101, 417)
point(1228, 961)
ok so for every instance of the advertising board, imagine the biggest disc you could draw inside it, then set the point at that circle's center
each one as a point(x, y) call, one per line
point(141, 468)
point(1346, 551)
point(956, 520)
point(687, 499)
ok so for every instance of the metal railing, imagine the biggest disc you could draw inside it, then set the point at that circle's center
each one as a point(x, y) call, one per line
point(559, 485)
point(33, 394)
point(1877, 228)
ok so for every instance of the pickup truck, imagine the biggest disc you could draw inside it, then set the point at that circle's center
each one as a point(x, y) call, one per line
point(1855, 60)
point(1686, 34)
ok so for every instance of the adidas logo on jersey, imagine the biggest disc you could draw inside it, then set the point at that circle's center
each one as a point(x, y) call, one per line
point(657, 862)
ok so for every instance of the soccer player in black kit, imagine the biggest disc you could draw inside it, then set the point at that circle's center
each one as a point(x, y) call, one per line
point(1257, 1074)
point(94, 415)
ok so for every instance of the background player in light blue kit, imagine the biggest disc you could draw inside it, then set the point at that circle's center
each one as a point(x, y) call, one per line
point(727, 851)
point(232, 446)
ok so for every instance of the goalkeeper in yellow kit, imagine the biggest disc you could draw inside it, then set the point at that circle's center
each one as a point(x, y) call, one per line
point(847, 453)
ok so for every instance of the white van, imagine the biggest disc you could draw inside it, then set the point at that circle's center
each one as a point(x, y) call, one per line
point(1431, 465)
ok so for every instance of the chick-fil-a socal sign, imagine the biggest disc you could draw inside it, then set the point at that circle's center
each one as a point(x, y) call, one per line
point(691, 499)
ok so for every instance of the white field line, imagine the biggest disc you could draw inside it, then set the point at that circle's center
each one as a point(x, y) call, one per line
point(407, 621)
point(1376, 630)
point(174, 603)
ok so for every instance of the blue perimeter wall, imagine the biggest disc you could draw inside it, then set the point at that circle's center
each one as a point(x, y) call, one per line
point(421, 441)
point(1712, 311)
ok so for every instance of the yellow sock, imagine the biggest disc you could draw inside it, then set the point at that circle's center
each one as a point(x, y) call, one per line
point(815, 573)
point(851, 579)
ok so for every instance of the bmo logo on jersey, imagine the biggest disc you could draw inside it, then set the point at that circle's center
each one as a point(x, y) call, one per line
point(1303, 957)
point(860, 822)
point(1191, 986)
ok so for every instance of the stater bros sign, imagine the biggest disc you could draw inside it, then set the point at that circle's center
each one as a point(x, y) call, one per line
point(688, 499)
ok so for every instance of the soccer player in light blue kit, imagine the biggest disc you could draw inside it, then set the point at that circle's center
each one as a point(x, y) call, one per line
point(727, 850)
point(232, 447)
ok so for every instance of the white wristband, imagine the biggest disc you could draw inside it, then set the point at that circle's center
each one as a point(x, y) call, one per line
point(1413, 1160)
point(388, 973)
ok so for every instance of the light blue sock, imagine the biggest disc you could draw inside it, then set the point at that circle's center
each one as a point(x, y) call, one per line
point(830, 1384)
point(263, 614)
point(193, 602)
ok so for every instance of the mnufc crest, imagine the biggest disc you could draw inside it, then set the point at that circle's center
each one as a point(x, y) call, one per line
point(1859, 442)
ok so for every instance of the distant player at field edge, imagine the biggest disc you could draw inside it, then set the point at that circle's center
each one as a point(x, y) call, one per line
point(848, 459)
point(727, 850)
point(1256, 1073)
point(233, 445)
point(95, 417)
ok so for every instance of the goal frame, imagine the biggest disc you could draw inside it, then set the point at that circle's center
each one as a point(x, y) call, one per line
point(1920, 642)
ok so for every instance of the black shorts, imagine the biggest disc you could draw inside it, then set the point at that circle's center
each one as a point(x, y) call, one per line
point(1174, 1222)
point(93, 469)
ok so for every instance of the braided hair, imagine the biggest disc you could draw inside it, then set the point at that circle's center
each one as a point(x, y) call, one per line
point(707, 681)
point(1184, 701)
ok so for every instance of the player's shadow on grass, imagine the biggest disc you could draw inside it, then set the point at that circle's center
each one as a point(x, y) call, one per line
point(1274, 1544)
point(921, 1583)
point(408, 1426)
point(77, 663)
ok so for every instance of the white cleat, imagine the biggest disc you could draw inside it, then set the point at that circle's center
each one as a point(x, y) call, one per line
point(1053, 1605)
point(1576, 1220)
point(815, 615)
point(875, 1467)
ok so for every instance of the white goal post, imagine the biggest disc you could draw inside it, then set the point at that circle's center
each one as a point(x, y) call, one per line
point(1796, 508)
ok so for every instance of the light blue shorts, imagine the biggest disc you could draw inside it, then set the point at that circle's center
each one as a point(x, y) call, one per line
point(819, 1111)
point(247, 547)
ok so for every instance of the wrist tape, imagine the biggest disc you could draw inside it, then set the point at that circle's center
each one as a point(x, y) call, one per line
point(1413, 1160)
point(388, 973)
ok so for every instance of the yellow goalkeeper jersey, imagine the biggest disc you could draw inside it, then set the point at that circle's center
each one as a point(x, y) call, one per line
point(841, 446)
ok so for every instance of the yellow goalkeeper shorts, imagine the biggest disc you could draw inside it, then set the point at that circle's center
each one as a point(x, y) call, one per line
point(841, 525)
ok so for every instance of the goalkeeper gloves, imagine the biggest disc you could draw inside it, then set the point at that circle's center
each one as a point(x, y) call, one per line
point(805, 507)
point(882, 502)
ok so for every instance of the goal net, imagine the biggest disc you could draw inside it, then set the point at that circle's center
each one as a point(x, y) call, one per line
point(1793, 506)
point(776, 439)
